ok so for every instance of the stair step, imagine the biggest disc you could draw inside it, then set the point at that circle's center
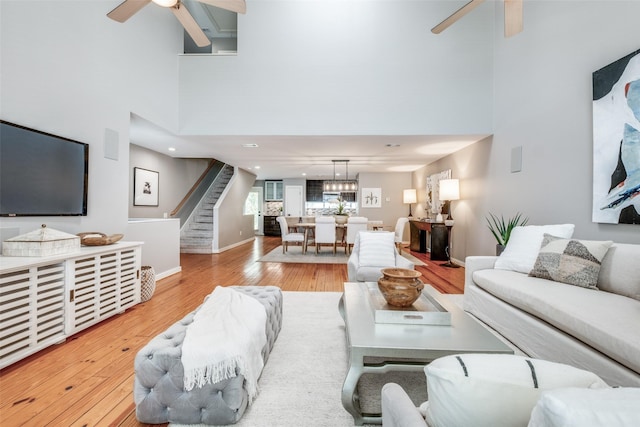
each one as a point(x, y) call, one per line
point(197, 234)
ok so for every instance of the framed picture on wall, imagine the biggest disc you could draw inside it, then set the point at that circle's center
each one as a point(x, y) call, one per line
point(616, 142)
point(145, 187)
point(371, 197)
point(434, 204)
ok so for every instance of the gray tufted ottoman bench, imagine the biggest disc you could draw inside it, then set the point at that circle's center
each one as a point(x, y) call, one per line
point(159, 391)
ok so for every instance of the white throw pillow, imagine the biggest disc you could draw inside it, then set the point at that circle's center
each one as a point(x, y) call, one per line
point(492, 390)
point(377, 249)
point(578, 407)
point(524, 244)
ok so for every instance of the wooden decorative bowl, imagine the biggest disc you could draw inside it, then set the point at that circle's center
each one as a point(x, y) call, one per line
point(400, 287)
point(98, 239)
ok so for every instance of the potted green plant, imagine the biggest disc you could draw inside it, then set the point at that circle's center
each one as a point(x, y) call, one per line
point(340, 214)
point(501, 228)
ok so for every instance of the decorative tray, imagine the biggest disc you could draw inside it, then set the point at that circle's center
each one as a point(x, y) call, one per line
point(425, 311)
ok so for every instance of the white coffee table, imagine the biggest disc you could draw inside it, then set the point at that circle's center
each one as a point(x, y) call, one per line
point(403, 347)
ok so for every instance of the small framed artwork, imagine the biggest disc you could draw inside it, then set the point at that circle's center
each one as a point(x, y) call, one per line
point(145, 187)
point(371, 197)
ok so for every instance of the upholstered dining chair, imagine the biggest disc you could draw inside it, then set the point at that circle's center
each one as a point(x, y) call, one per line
point(289, 237)
point(325, 232)
point(355, 224)
point(400, 224)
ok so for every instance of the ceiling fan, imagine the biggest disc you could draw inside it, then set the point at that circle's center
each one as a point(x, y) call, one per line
point(513, 17)
point(128, 8)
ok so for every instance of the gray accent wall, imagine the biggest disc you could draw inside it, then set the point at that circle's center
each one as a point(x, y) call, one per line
point(176, 177)
point(542, 103)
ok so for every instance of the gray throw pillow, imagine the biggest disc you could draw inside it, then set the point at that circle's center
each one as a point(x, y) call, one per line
point(575, 262)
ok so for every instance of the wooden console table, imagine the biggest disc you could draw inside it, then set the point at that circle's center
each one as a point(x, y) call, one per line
point(429, 236)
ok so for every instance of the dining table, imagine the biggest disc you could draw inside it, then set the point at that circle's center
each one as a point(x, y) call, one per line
point(309, 227)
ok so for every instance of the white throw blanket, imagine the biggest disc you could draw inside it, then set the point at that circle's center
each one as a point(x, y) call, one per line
point(227, 333)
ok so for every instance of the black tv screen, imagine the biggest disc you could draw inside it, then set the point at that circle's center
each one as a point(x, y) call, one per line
point(41, 174)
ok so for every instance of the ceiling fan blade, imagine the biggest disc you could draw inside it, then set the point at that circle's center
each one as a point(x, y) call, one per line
point(127, 9)
point(455, 16)
point(238, 6)
point(513, 17)
point(190, 25)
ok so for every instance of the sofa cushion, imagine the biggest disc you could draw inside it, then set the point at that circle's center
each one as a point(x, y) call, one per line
point(599, 319)
point(524, 244)
point(377, 249)
point(578, 407)
point(494, 389)
point(620, 270)
point(575, 262)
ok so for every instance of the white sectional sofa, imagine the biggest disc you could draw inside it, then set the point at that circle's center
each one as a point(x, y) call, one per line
point(592, 329)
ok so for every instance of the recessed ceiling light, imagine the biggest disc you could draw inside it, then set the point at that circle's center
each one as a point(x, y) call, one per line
point(250, 145)
point(172, 149)
point(256, 167)
point(304, 174)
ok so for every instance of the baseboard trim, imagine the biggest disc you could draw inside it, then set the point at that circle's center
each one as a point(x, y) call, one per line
point(168, 273)
point(226, 248)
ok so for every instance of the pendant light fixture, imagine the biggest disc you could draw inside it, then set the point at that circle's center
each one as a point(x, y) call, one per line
point(342, 185)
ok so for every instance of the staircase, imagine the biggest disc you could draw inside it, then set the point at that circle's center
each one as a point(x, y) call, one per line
point(196, 236)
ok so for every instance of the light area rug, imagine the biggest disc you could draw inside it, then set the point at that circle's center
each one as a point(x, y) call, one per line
point(325, 256)
point(301, 383)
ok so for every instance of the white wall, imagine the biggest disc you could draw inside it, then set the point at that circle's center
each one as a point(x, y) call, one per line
point(69, 70)
point(344, 67)
point(161, 248)
point(230, 224)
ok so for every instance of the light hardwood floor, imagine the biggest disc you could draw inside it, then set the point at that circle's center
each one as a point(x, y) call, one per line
point(88, 380)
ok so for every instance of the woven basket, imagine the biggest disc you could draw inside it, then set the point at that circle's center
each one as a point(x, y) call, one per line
point(148, 283)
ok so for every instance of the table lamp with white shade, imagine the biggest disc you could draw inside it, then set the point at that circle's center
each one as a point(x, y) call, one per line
point(409, 196)
point(449, 190)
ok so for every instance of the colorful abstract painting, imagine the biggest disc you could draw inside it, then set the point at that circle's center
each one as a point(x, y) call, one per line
point(616, 142)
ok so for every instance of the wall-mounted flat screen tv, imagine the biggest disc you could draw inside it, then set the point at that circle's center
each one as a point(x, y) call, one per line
point(41, 174)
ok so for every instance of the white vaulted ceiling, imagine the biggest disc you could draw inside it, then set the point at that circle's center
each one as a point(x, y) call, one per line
point(315, 81)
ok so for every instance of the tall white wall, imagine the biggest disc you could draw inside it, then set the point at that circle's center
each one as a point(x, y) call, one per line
point(69, 70)
point(344, 67)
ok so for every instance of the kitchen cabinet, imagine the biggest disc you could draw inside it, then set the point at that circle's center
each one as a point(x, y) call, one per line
point(314, 190)
point(348, 196)
point(273, 190)
point(271, 226)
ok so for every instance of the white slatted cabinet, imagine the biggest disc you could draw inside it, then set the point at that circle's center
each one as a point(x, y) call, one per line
point(44, 300)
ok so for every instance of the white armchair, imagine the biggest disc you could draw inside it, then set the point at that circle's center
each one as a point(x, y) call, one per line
point(355, 224)
point(373, 251)
point(489, 390)
point(287, 237)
